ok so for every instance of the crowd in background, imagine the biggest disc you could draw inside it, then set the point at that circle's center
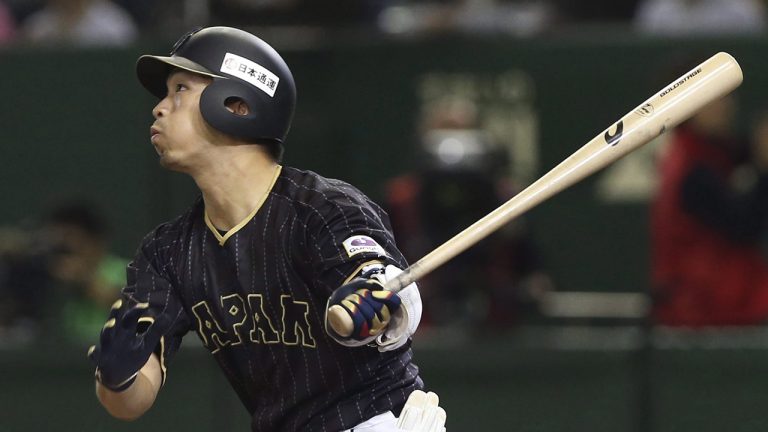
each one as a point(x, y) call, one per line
point(708, 268)
point(122, 22)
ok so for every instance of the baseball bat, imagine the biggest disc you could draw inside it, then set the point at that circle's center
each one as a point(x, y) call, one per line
point(673, 104)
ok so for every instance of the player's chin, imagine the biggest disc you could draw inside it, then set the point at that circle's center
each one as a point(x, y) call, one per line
point(161, 153)
point(171, 163)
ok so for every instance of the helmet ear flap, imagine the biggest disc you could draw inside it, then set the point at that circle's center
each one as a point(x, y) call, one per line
point(213, 106)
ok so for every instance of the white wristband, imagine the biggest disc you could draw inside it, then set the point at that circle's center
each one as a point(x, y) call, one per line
point(405, 321)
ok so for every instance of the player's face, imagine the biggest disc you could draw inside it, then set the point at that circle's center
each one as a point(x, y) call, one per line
point(179, 134)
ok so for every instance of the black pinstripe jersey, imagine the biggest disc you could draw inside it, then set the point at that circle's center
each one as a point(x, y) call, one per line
point(256, 297)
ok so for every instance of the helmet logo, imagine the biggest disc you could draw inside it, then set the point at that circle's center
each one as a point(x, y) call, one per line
point(251, 72)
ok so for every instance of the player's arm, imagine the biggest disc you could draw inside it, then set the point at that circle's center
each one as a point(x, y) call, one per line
point(352, 253)
point(143, 331)
point(138, 398)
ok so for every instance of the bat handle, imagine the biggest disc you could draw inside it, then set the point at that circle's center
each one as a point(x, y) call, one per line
point(407, 277)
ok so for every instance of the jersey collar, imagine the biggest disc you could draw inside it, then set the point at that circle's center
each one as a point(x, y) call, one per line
point(223, 238)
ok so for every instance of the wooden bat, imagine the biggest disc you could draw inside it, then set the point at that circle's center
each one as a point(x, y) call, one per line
point(673, 104)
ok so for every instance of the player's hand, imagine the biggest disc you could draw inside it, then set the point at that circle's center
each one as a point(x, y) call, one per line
point(422, 413)
point(361, 309)
point(127, 340)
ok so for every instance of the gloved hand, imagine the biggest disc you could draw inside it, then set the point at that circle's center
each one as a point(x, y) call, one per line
point(127, 340)
point(361, 309)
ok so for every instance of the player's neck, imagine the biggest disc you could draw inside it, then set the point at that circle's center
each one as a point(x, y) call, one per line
point(234, 184)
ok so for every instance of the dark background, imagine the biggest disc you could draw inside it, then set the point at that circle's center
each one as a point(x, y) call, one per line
point(75, 123)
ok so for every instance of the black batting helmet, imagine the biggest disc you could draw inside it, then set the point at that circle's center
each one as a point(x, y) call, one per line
point(242, 66)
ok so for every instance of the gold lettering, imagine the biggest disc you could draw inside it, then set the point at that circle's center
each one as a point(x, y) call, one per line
point(235, 306)
point(295, 328)
point(213, 336)
point(262, 330)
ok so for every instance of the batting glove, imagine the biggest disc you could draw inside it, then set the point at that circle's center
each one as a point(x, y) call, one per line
point(127, 340)
point(361, 309)
point(422, 413)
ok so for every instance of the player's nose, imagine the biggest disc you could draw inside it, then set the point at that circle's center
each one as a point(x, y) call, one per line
point(159, 110)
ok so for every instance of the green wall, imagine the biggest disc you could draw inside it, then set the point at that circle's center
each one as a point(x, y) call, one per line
point(76, 124)
point(494, 384)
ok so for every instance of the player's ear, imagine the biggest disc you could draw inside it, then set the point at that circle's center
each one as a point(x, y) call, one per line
point(237, 106)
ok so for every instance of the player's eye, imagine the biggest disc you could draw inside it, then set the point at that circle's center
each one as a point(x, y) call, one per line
point(180, 87)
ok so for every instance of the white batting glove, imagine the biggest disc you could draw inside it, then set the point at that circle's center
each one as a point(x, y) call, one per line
point(405, 321)
point(421, 413)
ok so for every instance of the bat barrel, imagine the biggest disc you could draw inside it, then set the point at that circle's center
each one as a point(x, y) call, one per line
point(673, 104)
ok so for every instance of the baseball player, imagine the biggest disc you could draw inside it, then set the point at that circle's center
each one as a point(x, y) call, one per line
point(257, 260)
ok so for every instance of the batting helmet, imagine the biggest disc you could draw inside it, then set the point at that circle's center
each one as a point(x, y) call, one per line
point(242, 66)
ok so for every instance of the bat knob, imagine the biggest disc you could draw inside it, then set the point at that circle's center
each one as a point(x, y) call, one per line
point(340, 321)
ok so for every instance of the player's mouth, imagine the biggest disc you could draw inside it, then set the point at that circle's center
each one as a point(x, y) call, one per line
point(154, 133)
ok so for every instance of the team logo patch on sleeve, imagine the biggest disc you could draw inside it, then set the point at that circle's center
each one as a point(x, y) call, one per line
point(360, 243)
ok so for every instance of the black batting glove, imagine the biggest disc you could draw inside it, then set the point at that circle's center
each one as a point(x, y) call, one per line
point(361, 309)
point(127, 340)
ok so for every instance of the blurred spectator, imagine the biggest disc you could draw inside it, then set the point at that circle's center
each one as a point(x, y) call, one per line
point(24, 282)
point(86, 277)
point(296, 13)
point(59, 278)
point(493, 284)
point(81, 23)
point(707, 267)
point(521, 18)
point(7, 24)
point(143, 12)
point(596, 11)
point(700, 17)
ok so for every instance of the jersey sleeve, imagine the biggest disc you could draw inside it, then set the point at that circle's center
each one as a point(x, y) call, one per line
point(345, 233)
point(148, 281)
